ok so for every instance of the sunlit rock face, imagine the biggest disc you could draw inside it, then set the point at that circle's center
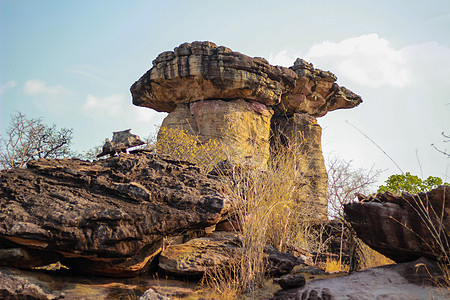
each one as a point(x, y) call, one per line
point(216, 93)
point(243, 126)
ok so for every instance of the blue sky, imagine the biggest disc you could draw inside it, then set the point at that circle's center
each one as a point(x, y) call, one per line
point(72, 63)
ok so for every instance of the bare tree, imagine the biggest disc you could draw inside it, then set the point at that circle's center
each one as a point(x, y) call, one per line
point(446, 139)
point(344, 182)
point(30, 139)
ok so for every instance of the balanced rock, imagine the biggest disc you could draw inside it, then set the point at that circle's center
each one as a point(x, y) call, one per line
point(215, 93)
point(202, 70)
point(108, 217)
point(122, 140)
point(404, 227)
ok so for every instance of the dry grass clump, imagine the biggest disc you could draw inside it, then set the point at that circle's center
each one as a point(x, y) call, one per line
point(434, 220)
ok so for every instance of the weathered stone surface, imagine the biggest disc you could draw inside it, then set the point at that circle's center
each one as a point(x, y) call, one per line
point(201, 71)
point(16, 287)
point(403, 227)
point(198, 255)
point(412, 280)
point(301, 135)
point(106, 217)
point(289, 281)
point(242, 126)
point(315, 93)
point(64, 284)
point(150, 294)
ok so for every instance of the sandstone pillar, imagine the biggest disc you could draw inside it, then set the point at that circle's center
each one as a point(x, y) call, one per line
point(243, 126)
point(300, 135)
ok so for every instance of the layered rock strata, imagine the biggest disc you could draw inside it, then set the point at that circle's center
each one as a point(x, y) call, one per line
point(108, 217)
point(202, 70)
point(216, 93)
point(404, 227)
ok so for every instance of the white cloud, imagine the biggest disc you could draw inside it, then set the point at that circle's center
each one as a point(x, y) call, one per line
point(9, 85)
point(367, 60)
point(111, 106)
point(370, 60)
point(283, 58)
point(116, 106)
point(37, 87)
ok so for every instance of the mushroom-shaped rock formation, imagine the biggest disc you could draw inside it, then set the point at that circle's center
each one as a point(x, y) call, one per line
point(215, 93)
point(202, 71)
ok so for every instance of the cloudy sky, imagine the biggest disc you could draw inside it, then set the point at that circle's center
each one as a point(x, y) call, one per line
point(72, 63)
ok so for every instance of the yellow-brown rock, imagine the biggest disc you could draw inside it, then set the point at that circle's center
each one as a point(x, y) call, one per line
point(243, 126)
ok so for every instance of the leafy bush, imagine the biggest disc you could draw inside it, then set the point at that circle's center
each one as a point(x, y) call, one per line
point(410, 183)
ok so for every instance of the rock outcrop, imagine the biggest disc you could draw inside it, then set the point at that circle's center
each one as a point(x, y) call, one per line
point(404, 227)
point(108, 217)
point(215, 93)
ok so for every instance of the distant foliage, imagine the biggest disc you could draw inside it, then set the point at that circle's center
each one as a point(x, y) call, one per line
point(410, 183)
point(30, 139)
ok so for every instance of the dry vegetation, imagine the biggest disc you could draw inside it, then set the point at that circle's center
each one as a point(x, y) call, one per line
point(269, 206)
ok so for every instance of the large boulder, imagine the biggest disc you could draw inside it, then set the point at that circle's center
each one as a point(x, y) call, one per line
point(404, 227)
point(217, 251)
point(108, 217)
